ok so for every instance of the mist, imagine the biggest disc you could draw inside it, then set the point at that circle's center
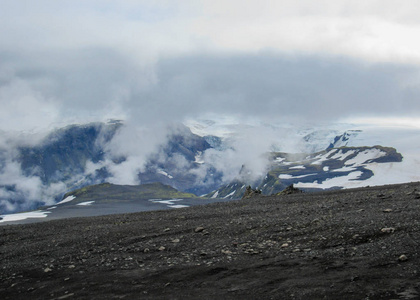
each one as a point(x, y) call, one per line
point(154, 65)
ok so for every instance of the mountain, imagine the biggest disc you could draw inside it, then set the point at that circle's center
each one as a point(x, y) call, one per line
point(217, 159)
point(344, 139)
point(65, 152)
point(80, 155)
point(109, 199)
point(31, 176)
point(107, 192)
point(176, 162)
point(334, 168)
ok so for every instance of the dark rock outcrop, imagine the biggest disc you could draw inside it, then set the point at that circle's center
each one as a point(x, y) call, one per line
point(289, 190)
point(250, 192)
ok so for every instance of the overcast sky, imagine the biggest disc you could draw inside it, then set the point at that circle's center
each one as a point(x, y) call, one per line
point(159, 61)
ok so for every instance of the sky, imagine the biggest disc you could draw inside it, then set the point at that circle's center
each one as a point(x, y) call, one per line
point(164, 61)
point(154, 63)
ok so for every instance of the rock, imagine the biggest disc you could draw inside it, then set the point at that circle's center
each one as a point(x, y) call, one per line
point(199, 229)
point(289, 190)
point(250, 192)
point(387, 210)
point(46, 270)
point(402, 258)
point(388, 230)
point(313, 231)
point(66, 296)
point(251, 251)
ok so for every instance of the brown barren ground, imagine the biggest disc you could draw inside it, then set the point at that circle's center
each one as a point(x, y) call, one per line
point(352, 244)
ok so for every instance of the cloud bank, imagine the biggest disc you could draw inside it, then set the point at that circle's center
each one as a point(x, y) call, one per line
point(163, 62)
point(74, 61)
point(269, 86)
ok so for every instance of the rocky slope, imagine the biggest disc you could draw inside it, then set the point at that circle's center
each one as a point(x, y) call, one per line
point(351, 244)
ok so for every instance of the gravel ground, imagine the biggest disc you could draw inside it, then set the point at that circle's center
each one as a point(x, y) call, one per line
point(352, 244)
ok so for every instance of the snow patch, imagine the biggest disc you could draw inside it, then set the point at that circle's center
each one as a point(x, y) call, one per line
point(170, 203)
point(229, 195)
point(215, 195)
point(298, 167)
point(199, 158)
point(364, 156)
point(288, 176)
point(178, 206)
point(67, 199)
point(340, 155)
point(164, 174)
point(345, 169)
point(87, 203)
point(24, 216)
point(319, 159)
point(347, 181)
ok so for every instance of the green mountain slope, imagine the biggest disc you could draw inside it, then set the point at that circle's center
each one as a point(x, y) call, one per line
point(107, 192)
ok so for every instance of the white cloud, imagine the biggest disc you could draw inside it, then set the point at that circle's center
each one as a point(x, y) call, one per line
point(133, 144)
point(20, 191)
point(77, 61)
point(371, 30)
point(23, 107)
point(154, 63)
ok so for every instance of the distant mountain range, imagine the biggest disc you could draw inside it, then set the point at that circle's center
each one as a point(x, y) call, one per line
point(77, 156)
point(106, 192)
point(334, 168)
point(63, 161)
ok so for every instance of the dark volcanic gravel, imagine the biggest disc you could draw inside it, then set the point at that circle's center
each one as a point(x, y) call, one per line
point(353, 244)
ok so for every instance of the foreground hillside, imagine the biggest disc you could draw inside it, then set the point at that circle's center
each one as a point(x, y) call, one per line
point(350, 244)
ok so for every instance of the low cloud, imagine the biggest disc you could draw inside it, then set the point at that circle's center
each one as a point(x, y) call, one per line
point(158, 64)
point(318, 89)
point(21, 192)
point(101, 84)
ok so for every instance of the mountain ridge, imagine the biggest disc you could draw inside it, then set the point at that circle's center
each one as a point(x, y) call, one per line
point(81, 155)
point(303, 169)
point(107, 191)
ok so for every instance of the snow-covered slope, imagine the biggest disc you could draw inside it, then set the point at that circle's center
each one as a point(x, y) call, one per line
point(360, 169)
point(333, 168)
point(405, 140)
